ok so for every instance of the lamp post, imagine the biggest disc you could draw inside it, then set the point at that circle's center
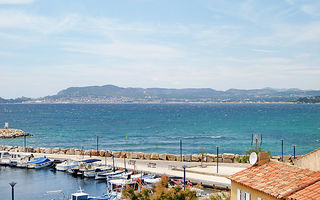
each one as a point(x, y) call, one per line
point(12, 184)
point(282, 150)
point(294, 152)
point(217, 158)
point(184, 176)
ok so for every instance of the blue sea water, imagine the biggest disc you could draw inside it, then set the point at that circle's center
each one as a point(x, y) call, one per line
point(159, 127)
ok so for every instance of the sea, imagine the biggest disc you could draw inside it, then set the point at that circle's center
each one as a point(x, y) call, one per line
point(150, 128)
point(160, 127)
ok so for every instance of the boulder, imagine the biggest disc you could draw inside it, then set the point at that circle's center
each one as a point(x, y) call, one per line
point(29, 150)
point(147, 156)
point(48, 151)
point(70, 152)
point(228, 156)
point(179, 157)
point(94, 153)
point(87, 152)
point(56, 150)
point(108, 153)
point(162, 156)
point(78, 152)
point(43, 150)
point(154, 156)
point(134, 155)
point(140, 155)
point(129, 155)
point(116, 154)
point(123, 154)
point(102, 153)
point(195, 158)
point(171, 157)
point(38, 150)
point(188, 158)
point(210, 157)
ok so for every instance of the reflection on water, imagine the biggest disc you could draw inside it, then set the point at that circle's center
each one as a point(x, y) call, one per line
point(32, 184)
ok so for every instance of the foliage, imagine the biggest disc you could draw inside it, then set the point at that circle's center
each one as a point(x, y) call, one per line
point(315, 99)
point(245, 158)
point(220, 196)
point(160, 192)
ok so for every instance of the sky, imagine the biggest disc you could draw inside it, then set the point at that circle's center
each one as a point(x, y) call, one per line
point(47, 46)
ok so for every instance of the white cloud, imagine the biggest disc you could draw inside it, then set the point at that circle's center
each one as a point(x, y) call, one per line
point(125, 50)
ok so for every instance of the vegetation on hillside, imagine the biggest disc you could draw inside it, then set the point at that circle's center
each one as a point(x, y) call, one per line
point(315, 99)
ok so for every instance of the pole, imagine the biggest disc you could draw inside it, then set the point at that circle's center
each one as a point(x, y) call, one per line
point(12, 190)
point(113, 164)
point(218, 159)
point(124, 163)
point(105, 159)
point(184, 177)
point(181, 150)
point(294, 152)
point(25, 141)
point(12, 184)
point(282, 150)
point(97, 144)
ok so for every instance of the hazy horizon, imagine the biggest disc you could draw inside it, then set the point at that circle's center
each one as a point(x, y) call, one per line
point(48, 46)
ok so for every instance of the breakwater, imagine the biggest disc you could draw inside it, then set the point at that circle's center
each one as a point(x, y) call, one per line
point(223, 158)
point(12, 133)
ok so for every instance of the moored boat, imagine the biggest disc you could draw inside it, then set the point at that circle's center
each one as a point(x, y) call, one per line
point(4, 158)
point(40, 163)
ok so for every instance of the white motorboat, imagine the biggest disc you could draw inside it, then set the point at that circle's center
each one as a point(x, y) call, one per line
point(81, 196)
point(4, 158)
point(123, 175)
point(68, 164)
point(40, 163)
point(20, 159)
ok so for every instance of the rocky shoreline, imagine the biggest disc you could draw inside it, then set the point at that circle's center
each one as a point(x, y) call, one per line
point(13, 133)
point(223, 158)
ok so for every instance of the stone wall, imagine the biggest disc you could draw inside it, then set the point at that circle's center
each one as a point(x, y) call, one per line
point(207, 158)
point(12, 133)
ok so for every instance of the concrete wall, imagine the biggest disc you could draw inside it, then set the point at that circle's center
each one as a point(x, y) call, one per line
point(254, 194)
point(310, 161)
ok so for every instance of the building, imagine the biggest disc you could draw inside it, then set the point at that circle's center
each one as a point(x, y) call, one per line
point(275, 180)
point(309, 161)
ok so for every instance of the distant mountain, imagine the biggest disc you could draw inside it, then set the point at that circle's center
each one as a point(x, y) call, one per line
point(315, 99)
point(17, 100)
point(115, 94)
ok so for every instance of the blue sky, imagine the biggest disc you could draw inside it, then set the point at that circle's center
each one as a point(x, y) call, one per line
point(47, 46)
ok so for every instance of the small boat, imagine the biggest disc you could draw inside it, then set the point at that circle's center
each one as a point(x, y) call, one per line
point(83, 166)
point(20, 159)
point(81, 196)
point(40, 163)
point(68, 164)
point(123, 175)
point(4, 158)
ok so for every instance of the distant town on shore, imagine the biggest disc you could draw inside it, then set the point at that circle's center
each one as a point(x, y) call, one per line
point(115, 94)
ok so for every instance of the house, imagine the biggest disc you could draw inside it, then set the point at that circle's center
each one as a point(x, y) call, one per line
point(309, 161)
point(275, 180)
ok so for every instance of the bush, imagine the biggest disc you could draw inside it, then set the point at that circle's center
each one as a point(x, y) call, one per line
point(160, 191)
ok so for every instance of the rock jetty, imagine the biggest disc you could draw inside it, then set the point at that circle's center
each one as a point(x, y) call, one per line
point(12, 133)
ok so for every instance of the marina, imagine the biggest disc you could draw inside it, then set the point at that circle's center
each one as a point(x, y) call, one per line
point(109, 174)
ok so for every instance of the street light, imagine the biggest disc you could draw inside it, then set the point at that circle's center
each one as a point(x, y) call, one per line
point(294, 152)
point(12, 184)
point(217, 158)
point(181, 150)
point(184, 176)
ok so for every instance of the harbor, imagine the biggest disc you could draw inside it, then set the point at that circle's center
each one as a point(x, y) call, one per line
point(90, 169)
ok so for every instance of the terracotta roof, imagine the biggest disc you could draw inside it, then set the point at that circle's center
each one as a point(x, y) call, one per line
point(307, 154)
point(276, 179)
point(311, 192)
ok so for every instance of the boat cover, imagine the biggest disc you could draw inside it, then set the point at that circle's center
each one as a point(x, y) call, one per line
point(40, 161)
point(90, 160)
